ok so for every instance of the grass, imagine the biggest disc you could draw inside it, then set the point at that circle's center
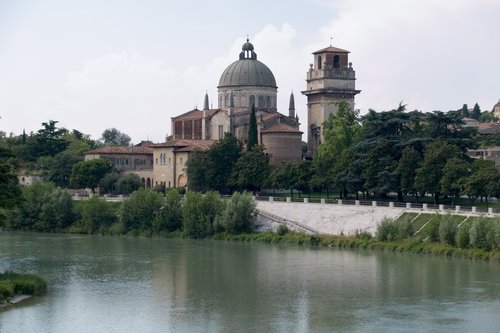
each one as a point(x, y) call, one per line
point(14, 283)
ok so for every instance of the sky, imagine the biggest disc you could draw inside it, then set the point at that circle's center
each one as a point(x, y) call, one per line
point(132, 65)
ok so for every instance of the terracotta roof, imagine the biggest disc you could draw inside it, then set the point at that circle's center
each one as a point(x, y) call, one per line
point(121, 150)
point(489, 128)
point(185, 145)
point(331, 49)
point(281, 128)
point(196, 114)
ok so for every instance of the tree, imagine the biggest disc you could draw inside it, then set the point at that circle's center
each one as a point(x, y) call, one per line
point(429, 174)
point(239, 214)
point(222, 157)
point(454, 177)
point(113, 137)
point(128, 183)
point(465, 111)
point(139, 212)
point(406, 169)
point(197, 171)
point(303, 176)
point(199, 213)
point(49, 140)
point(476, 112)
point(251, 170)
point(59, 167)
point(89, 173)
point(284, 176)
point(252, 130)
point(10, 191)
point(96, 214)
point(484, 180)
point(170, 216)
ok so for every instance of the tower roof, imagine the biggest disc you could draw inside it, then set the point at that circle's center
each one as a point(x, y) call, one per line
point(247, 71)
point(331, 49)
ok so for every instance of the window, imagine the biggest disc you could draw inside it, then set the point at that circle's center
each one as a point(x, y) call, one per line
point(181, 159)
point(261, 101)
point(226, 101)
point(319, 62)
point(336, 61)
point(268, 102)
point(251, 101)
point(221, 132)
point(126, 161)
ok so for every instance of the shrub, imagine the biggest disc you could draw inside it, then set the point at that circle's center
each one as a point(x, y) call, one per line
point(239, 214)
point(482, 234)
point(96, 214)
point(6, 290)
point(128, 183)
point(169, 217)
point(282, 230)
point(447, 230)
point(199, 213)
point(387, 230)
point(139, 211)
point(23, 283)
point(462, 237)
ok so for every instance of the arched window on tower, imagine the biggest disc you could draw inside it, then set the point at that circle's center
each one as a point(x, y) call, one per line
point(268, 102)
point(336, 61)
point(251, 101)
point(261, 101)
point(319, 62)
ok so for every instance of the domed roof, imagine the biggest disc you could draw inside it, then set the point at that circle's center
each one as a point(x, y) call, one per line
point(247, 71)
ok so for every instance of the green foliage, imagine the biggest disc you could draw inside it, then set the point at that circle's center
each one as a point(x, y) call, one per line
point(198, 167)
point(10, 191)
point(391, 230)
point(484, 181)
point(44, 208)
point(107, 184)
point(251, 169)
point(87, 174)
point(59, 167)
point(252, 130)
point(169, 217)
point(454, 176)
point(407, 165)
point(6, 290)
point(95, 215)
point(476, 112)
point(462, 238)
point(49, 141)
point(239, 214)
point(113, 137)
point(140, 210)
point(222, 158)
point(199, 213)
point(284, 176)
point(282, 230)
point(27, 284)
point(128, 183)
point(482, 234)
point(447, 230)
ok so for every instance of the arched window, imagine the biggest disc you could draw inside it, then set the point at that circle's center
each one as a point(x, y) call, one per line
point(251, 101)
point(336, 61)
point(226, 101)
point(261, 101)
point(268, 102)
point(319, 62)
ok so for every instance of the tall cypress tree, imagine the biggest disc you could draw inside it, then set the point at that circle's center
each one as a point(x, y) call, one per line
point(476, 112)
point(252, 130)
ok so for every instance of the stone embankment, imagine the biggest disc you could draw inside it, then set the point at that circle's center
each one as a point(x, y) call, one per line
point(340, 218)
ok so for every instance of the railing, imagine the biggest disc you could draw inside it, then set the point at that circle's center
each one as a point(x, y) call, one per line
point(390, 204)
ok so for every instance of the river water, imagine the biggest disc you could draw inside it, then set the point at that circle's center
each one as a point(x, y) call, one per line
point(115, 284)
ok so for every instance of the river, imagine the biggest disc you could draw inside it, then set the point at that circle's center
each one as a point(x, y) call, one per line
point(120, 284)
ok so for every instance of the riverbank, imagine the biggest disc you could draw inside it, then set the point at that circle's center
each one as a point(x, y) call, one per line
point(15, 287)
point(364, 242)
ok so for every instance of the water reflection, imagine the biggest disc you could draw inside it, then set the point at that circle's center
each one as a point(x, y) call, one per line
point(114, 284)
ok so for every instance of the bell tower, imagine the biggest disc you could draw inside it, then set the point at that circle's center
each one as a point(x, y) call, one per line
point(330, 79)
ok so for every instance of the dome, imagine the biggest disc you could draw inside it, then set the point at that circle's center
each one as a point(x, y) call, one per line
point(247, 72)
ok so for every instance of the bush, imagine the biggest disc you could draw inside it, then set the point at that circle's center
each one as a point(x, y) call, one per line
point(447, 230)
point(240, 213)
point(199, 213)
point(390, 230)
point(282, 230)
point(28, 284)
point(462, 237)
point(6, 290)
point(96, 214)
point(139, 211)
point(169, 217)
point(482, 234)
point(128, 183)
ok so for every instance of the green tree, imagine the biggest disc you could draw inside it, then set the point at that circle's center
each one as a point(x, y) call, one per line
point(251, 170)
point(198, 167)
point(453, 180)
point(113, 137)
point(476, 112)
point(107, 184)
point(239, 214)
point(406, 169)
point(222, 157)
point(128, 183)
point(465, 111)
point(284, 176)
point(484, 180)
point(89, 173)
point(303, 176)
point(60, 167)
point(429, 174)
point(10, 191)
point(170, 216)
point(199, 213)
point(139, 212)
point(252, 130)
point(49, 140)
point(96, 215)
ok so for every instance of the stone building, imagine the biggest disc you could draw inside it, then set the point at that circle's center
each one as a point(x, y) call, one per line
point(245, 83)
point(496, 110)
point(330, 79)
